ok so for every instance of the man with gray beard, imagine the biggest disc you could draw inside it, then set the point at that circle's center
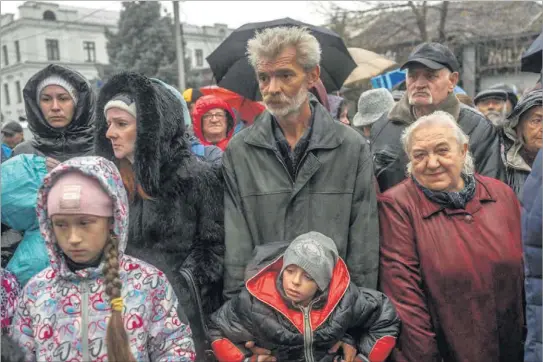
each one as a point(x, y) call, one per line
point(496, 103)
point(295, 169)
point(432, 74)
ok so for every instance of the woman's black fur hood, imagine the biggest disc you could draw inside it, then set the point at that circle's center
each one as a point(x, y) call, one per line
point(160, 142)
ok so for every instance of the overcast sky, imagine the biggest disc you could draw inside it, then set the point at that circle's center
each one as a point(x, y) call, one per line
point(233, 13)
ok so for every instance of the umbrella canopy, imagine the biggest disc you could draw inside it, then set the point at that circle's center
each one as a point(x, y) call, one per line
point(247, 109)
point(531, 59)
point(232, 70)
point(369, 64)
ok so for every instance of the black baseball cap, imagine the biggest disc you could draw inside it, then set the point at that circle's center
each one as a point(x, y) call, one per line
point(434, 56)
point(11, 128)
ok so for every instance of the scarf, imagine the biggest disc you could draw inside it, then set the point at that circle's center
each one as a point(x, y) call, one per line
point(75, 266)
point(451, 199)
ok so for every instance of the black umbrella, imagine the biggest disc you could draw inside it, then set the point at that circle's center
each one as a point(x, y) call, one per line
point(531, 59)
point(232, 70)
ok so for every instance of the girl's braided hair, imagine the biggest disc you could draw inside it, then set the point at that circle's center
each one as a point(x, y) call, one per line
point(118, 348)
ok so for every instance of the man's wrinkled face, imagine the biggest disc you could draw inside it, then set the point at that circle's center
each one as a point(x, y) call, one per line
point(494, 108)
point(427, 87)
point(283, 83)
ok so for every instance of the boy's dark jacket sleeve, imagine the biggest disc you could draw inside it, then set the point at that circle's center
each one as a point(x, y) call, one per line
point(229, 329)
point(380, 323)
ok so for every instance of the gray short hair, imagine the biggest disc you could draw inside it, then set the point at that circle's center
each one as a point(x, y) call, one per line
point(270, 42)
point(443, 119)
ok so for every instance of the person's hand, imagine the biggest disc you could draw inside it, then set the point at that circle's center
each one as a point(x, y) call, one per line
point(51, 163)
point(259, 354)
point(349, 352)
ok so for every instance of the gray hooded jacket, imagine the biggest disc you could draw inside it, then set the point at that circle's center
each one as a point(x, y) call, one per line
point(517, 169)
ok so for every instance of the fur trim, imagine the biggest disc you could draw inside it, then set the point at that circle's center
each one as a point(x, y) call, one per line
point(160, 143)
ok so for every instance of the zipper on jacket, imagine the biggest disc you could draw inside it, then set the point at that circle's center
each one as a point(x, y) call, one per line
point(280, 158)
point(85, 321)
point(308, 334)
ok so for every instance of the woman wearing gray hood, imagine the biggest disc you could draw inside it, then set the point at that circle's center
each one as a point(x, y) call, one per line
point(522, 139)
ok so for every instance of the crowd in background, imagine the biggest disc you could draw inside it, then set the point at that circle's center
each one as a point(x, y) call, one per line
point(411, 232)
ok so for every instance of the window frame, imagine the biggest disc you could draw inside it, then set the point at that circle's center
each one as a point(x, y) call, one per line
point(199, 55)
point(90, 50)
point(51, 49)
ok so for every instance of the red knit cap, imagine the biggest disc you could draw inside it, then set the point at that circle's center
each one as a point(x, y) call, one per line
point(75, 193)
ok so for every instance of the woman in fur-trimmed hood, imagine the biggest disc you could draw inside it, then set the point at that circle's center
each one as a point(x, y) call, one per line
point(176, 199)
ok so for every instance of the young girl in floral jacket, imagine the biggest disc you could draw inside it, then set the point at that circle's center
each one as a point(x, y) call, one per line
point(94, 303)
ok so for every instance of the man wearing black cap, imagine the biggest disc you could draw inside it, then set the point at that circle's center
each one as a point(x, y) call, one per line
point(12, 134)
point(432, 74)
point(496, 103)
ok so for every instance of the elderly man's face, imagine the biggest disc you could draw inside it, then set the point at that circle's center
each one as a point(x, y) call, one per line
point(436, 158)
point(494, 108)
point(284, 84)
point(531, 129)
point(429, 87)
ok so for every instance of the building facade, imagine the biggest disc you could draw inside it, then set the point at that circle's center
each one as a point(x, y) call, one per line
point(199, 42)
point(46, 33)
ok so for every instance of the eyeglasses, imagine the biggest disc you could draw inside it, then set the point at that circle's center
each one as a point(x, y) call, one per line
point(218, 116)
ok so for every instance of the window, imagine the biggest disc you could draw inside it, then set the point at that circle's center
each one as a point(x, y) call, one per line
point(90, 49)
point(17, 52)
point(5, 54)
point(6, 94)
point(19, 93)
point(52, 49)
point(49, 15)
point(199, 57)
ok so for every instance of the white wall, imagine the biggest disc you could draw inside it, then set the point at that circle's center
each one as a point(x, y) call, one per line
point(521, 80)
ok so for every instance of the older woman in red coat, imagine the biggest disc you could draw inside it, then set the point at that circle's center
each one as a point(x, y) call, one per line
point(451, 254)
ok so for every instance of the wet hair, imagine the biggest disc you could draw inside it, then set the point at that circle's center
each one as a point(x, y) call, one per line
point(270, 42)
point(118, 347)
point(129, 181)
point(438, 118)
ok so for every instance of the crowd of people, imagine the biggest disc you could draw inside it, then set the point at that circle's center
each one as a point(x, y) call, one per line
point(412, 233)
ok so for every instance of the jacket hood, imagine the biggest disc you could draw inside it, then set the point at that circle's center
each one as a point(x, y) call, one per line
point(513, 144)
point(76, 138)
point(401, 112)
point(205, 104)
point(106, 173)
point(179, 96)
point(265, 287)
point(160, 141)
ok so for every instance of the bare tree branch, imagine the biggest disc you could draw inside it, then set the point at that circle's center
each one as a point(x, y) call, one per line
point(421, 19)
point(442, 20)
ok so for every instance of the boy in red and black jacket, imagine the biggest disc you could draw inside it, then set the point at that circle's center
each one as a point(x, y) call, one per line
point(301, 305)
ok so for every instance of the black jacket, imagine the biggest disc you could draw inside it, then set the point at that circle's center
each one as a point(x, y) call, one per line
point(362, 317)
point(390, 160)
point(182, 224)
point(516, 168)
point(74, 140)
